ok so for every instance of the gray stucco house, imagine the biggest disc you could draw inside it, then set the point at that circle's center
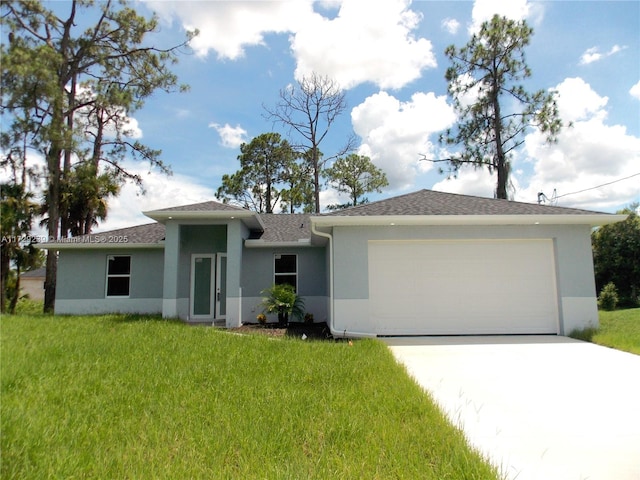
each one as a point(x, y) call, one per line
point(424, 263)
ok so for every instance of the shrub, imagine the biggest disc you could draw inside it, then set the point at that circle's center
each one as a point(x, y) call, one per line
point(585, 334)
point(283, 300)
point(608, 298)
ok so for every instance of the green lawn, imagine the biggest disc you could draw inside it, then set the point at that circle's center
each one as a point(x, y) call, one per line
point(619, 329)
point(139, 397)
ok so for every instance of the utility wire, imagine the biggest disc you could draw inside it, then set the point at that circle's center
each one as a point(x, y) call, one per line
point(603, 185)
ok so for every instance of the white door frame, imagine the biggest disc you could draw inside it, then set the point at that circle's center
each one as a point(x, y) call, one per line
point(221, 286)
point(212, 277)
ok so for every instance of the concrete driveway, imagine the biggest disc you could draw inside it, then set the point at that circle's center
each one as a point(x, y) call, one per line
point(539, 407)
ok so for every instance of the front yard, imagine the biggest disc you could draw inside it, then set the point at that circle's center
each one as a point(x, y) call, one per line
point(619, 329)
point(139, 397)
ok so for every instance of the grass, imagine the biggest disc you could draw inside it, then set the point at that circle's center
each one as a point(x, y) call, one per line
point(618, 329)
point(139, 397)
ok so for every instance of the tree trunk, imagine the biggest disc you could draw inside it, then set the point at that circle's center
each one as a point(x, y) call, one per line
point(503, 179)
point(316, 178)
point(501, 163)
point(53, 198)
point(4, 275)
point(16, 293)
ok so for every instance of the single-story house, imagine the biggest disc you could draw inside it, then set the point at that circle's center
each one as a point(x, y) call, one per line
point(424, 263)
point(32, 283)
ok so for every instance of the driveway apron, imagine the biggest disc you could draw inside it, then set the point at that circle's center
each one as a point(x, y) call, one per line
point(538, 407)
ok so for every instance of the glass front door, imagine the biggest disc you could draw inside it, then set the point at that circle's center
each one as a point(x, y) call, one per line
point(202, 283)
point(208, 298)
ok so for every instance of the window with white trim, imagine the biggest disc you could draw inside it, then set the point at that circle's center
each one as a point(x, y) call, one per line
point(286, 269)
point(118, 275)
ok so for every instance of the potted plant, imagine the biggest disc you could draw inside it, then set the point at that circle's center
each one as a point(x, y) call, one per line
point(284, 301)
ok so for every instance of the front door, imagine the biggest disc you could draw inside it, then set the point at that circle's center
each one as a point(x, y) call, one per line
point(208, 286)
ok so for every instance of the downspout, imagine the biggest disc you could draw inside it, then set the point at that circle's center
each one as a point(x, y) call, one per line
point(335, 333)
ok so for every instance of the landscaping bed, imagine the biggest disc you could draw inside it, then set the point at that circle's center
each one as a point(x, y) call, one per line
point(306, 331)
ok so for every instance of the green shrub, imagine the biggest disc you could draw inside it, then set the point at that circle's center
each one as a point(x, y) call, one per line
point(26, 306)
point(608, 298)
point(585, 334)
point(283, 300)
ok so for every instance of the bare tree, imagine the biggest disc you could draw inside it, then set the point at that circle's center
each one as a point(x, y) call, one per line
point(309, 109)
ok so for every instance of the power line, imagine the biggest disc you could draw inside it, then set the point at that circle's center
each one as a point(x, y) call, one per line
point(599, 186)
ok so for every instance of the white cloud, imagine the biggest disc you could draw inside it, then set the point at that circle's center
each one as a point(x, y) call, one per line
point(578, 101)
point(593, 54)
point(229, 27)
point(395, 133)
point(230, 137)
point(589, 154)
point(161, 191)
point(590, 55)
point(450, 25)
point(635, 91)
point(364, 42)
point(469, 181)
point(484, 10)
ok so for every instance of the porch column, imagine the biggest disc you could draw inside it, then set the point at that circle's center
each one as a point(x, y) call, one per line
point(171, 259)
point(234, 268)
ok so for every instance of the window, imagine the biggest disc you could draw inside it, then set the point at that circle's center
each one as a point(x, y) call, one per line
point(286, 270)
point(118, 275)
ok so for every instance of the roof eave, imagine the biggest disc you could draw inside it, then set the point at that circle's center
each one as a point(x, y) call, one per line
point(592, 220)
point(252, 219)
point(303, 242)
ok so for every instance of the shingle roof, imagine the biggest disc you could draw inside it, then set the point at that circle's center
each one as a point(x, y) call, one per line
point(295, 227)
point(285, 228)
point(37, 273)
point(429, 202)
point(149, 234)
point(211, 206)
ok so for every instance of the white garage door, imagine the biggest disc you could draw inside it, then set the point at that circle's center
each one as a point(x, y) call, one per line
point(462, 287)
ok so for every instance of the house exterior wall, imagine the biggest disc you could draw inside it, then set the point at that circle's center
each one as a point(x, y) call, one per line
point(197, 239)
point(236, 233)
point(574, 267)
point(258, 274)
point(32, 286)
point(82, 275)
point(182, 239)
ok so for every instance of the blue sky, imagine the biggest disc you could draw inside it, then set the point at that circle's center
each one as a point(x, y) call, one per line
point(389, 56)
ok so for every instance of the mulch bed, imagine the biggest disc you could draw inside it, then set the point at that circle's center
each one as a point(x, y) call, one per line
point(313, 331)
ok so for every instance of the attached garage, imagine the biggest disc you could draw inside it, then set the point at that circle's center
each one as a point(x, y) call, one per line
point(463, 287)
point(434, 263)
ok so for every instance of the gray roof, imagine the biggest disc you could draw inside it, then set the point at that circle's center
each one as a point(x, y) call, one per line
point(285, 227)
point(211, 206)
point(37, 273)
point(295, 227)
point(149, 233)
point(429, 202)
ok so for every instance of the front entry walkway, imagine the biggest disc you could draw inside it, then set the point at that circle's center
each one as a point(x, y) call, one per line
point(539, 407)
